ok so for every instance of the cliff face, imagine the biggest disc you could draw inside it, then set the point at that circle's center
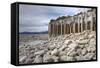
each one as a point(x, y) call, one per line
point(73, 24)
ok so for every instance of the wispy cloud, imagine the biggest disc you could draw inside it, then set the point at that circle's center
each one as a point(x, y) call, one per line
point(35, 18)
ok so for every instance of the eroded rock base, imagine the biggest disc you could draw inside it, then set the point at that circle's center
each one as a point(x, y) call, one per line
point(71, 47)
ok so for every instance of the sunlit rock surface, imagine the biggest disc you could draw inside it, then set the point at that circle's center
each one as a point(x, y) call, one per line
point(71, 47)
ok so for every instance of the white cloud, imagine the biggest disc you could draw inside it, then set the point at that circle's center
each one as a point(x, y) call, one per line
point(36, 18)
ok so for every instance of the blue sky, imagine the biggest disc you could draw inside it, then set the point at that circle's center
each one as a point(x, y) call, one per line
point(35, 18)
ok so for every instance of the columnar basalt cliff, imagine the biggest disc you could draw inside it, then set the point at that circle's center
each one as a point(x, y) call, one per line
point(73, 24)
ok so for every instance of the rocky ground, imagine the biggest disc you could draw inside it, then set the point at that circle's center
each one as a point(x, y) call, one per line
point(71, 47)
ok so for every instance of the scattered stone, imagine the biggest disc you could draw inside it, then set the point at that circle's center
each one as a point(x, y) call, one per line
point(47, 58)
point(89, 56)
point(91, 48)
point(83, 42)
point(78, 58)
point(28, 60)
point(94, 57)
point(61, 53)
point(54, 52)
point(72, 53)
point(68, 42)
point(71, 47)
point(92, 42)
point(62, 48)
point(91, 36)
point(84, 51)
point(22, 59)
point(39, 52)
point(86, 45)
point(51, 47)
point(56, 59)
point(38, 59)
point(63, 58)
point(81, 46)
point(69, 58)
point(66, 58)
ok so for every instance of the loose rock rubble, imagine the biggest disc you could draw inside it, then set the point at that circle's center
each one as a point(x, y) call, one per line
point(71, 47)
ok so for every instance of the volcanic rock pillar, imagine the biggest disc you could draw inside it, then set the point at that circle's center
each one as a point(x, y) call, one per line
point(69, 29)
point(49, 29)
point(78, 27)
point(81, 26)
point(53, 30)
point(78, 24)
point(64, 28)
point(74, 28)
point(61, 28)
point(86, 22)
point(91, 22)
point(57, 29)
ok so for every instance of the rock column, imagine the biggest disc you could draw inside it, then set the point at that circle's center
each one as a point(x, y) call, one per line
point(91, 21)
point(61, 28)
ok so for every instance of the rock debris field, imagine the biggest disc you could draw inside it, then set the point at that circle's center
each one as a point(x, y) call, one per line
point(71, 47)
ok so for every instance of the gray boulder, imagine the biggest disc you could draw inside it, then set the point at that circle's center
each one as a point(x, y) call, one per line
point(63, 58)
point(29, 60)
point(66, 58)
point(41, 52)
point(54, 52)
point(61, 53)
point(47, 58)
point(22, 59)
point(89, 56)
point(38, 59)
point(62, 47)
point(83, 42)
point(67, 42)
point(72, 53)
point(73, 45)
point(84, 51)
point(77, 58)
